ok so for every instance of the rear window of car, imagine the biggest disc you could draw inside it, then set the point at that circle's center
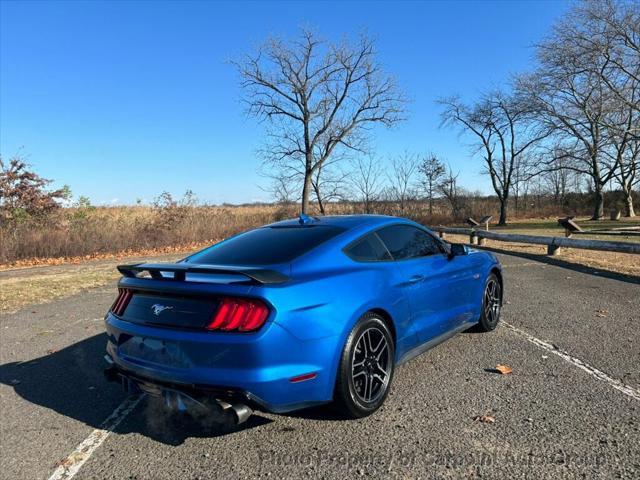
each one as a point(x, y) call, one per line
point(368, 249)
point(267, 245)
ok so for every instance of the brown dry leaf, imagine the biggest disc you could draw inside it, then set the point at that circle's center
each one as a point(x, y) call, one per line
point(65, 462)
point(504, 369)
point(484, 419)
point(601, 313)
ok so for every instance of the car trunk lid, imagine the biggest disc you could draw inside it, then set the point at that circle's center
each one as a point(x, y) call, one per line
point(186, 296)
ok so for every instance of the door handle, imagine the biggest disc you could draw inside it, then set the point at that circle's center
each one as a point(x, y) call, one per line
point(416, 279)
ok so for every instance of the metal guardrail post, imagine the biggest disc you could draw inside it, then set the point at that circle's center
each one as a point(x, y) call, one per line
point(553, 250)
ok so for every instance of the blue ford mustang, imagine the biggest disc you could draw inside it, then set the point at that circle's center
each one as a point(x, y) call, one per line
point(296, 313)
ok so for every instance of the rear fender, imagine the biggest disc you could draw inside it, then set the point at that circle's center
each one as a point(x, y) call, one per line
point(330, 306)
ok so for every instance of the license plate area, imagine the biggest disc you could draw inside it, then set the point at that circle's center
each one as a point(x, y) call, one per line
point(145, 350)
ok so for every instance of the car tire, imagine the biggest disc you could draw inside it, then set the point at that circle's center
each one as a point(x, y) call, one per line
point(366, 368)
point(491, 304)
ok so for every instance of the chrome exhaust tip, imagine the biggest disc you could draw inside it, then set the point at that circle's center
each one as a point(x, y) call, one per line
point(235, 413)
point(241, 413)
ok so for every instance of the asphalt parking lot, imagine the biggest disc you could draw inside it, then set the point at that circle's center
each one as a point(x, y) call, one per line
point(570, 409)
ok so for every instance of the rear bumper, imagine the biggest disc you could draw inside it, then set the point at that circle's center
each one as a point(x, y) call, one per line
point(254, 368)
point(135, 384)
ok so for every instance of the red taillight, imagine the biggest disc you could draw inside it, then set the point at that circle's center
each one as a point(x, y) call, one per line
point(239, 314)
point(122, 300)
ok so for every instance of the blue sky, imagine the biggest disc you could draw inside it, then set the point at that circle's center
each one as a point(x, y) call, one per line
point(122, 100)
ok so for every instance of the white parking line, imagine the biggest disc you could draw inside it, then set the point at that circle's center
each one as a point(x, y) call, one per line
point(69, 466)
point(594, 372)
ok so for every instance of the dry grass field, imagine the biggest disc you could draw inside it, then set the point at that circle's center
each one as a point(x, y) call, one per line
point(70, 235)
point(75, 234)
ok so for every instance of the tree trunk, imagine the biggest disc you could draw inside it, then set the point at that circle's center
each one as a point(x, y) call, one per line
point(316, 188)
point(628, 207)
point(598, 202)
point(306, 191)
point(503, 210)
point(503, 213)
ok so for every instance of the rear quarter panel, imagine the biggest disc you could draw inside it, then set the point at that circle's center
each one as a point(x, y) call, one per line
point(328, 302)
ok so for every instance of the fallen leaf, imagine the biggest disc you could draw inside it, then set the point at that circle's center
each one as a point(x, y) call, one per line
point(601, 313)
point(65, 462)
point(504, 369)
point(51, 350)
point(484, 419)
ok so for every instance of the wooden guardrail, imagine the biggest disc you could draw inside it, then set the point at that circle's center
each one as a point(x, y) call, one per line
point(477, 237)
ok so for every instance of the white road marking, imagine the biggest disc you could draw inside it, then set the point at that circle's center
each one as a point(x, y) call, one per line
point(594, 372)
point(69, 466)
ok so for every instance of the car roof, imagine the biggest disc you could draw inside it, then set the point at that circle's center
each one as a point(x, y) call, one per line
point(344, 221)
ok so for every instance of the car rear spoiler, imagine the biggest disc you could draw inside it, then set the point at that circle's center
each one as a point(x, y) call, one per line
point(180, 271)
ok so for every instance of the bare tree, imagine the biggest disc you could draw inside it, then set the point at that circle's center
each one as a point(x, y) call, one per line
point(611, 30)
point(623, 147)
point(432, 170)
point(557, 180)
point(628, 164)
point(504, 130)
point(588, 73)
point(522, 169)
point(319, 98)
point(283, 189)
point(452, 191)
point(367, 180)
point(328, 185)
point(571, 101)
point(402, 179)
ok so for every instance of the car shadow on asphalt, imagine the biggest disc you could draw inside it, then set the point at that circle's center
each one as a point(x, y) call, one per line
point(568, 265)
point(320, 412)
point(70, 382)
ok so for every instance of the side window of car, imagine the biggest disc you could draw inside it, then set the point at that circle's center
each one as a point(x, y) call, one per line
point(368, 249)
point(406, 241)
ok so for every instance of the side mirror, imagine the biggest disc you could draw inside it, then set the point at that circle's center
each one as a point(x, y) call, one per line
point(458, 249)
